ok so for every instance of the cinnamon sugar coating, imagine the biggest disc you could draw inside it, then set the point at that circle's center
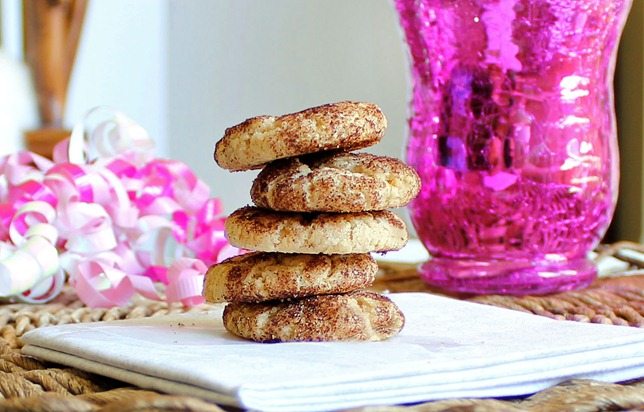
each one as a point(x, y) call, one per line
point(336, 126)
point(327, 233)
point(338, 182)
point(257, 277)
point(361, 316)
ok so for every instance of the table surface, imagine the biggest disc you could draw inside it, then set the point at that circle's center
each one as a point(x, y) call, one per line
point(29, 384)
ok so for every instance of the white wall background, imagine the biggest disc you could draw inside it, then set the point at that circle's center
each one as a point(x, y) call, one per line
point(121, 62)
point(18, 108)
point(229, 60)
point(186, 70)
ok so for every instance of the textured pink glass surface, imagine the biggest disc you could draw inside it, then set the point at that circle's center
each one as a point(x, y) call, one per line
point(512, 131)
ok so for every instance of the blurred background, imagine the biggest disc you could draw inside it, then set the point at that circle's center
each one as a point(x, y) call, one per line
point(187, 70)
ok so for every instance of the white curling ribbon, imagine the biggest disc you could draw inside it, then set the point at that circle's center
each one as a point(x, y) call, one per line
point(45, 290)
point(6, 250)
point(123, 212)
point(34, 212)
point(35, 260)
point(98, 240)
point(158, 247)
point(108, 277)
point(45, 254)
point(104, 265)
point(23, 166)
point(118, 135)
point(105, 132)
point(18, 273)
point(44, 230)
point(63, 189)
point(76, 145)
point(88, 228)
point(156, 244)
point(69, 262)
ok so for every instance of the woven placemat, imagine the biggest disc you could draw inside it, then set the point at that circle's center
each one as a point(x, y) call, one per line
point(617, 300)
point(27, 384)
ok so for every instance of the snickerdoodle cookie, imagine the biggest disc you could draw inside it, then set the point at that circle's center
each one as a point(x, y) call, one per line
point(360, 315)
point(336, 126)
point(258, 277)
point(338, 182)
point(327, 233)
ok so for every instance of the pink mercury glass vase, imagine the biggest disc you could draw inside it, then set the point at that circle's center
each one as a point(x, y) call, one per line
point(512, 131)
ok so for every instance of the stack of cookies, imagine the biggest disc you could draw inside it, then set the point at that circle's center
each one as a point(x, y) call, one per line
point(320, 210)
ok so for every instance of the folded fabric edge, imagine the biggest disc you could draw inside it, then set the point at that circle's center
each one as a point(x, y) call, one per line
point(208, 319)
point(377, 396)
point(134, 378)
point(475, 371)
point(289, 402)
point(41, 339)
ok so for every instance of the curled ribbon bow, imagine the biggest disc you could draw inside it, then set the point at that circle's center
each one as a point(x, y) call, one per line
point(110, 216)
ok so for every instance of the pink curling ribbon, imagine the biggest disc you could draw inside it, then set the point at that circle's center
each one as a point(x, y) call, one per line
point(115, 220)
point(185, 276)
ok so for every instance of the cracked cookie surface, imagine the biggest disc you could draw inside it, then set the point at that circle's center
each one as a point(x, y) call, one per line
point(357, 316)
point(259, 276)
point(265, 230)
point(337, 126)
point(338, 182)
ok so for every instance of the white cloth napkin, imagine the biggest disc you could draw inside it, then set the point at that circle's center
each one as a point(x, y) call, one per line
point(448, 348)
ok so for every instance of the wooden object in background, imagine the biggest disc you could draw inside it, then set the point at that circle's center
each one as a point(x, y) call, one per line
point(52, 30)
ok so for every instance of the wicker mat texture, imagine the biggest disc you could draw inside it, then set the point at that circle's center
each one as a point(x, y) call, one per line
point(27, 384)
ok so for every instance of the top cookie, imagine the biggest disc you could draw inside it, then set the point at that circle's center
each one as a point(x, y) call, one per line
point(337, 182)
point(336, 126)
